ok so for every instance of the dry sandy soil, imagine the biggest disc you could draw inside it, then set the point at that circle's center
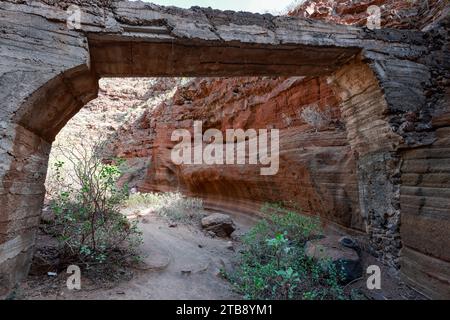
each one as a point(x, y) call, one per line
point(178, 263)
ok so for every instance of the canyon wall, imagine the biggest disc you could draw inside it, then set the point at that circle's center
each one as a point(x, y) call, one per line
point(398, 14)
point(317, 166)
point(423, 199)
point(120, 102)
point(321, 170)
point(425, 177)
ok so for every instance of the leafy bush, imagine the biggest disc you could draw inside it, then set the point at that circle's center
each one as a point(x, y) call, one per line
point(86, 202)
point(273, 265)
point(172, 205)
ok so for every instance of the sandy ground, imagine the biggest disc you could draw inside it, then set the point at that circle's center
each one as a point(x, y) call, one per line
point(178, 263)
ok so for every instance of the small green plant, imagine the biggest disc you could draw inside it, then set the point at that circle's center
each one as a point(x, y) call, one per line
point(273, 265)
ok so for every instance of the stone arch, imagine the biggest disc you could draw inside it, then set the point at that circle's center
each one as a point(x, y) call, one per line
point(33, 128)
point(53, 76)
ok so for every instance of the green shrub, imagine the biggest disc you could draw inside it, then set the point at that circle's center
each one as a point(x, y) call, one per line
point(272, 263)
point(300, 228)
point(86, 202)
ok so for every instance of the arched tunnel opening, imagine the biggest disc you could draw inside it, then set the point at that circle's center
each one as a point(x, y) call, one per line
point(357, 135)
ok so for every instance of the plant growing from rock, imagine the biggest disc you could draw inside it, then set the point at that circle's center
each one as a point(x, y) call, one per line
point(86, 203)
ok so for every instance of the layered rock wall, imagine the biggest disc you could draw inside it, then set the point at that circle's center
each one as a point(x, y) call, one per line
point(425, 177)
point(364, 189)
point(398, 14)
point(317, 170)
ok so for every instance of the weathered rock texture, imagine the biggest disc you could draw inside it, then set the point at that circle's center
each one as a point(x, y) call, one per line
point(420, 225)
point(119, 103)
point(425, 176)
point(391, 88)
point(219, 224)
point(398, 14)
point(345, 259)
point(317, 169)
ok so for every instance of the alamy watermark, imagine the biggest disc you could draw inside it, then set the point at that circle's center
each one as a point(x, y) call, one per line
point(373, 14)
point(374, 279)
point(374, 17)
point(74, 17)
point(213, 148)
point(74, 280)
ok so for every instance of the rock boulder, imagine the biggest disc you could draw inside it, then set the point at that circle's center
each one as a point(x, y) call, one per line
point(220, 224)
point(344, 258)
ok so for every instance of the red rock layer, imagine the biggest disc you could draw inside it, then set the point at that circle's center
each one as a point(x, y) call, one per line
point(317, 169)
point(399, 14)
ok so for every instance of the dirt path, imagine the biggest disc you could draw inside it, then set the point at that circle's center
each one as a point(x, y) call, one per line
point(178, 263)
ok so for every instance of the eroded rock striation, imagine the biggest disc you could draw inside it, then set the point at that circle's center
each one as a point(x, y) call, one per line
point(378, 168)
point(318, 172)
point(317, 168)
point(398, 14)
